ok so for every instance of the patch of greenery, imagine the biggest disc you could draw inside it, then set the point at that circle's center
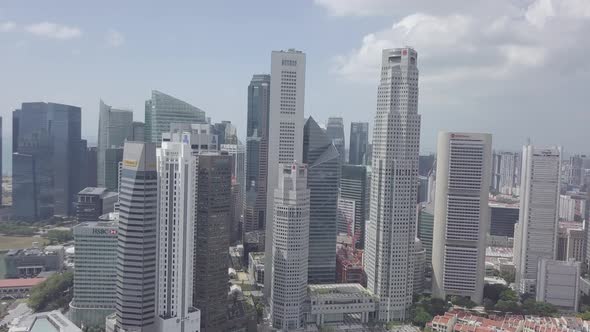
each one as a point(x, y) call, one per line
point(53, 293)
point(59, 236)
point(11, 229)
point(425, 308)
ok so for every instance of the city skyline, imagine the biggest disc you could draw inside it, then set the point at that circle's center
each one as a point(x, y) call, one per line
point(513, 69)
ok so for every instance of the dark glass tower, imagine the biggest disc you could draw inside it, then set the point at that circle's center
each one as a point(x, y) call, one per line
point(47, 160)
point(323, 177)
point(354, 187)
point(335, 131)
point(359, 141)
point(256, 152)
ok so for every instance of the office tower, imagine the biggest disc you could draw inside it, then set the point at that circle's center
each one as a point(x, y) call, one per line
point(426, 164)
point(461, 214)
point(323, 177)
point(346, 217)
point(114, 127)
point(95, 275)
point(559, 284)
point(1, 169)
point(503, 217)
point(137, 239)
point(177, 181)
point(571, 241)
point(359, 141)
point(335, 130)
point(505, 172)
point(290, 248)
point(238, 155)
point(425, 229)
point(226, 132)
point(88, 165)
point(212, 239)
point(93, 202)
point(46, 164)
point(535, 234)
point(354, 187)
point(256, 153)
point(285, 131)
point(163, 110)
point(576, 170)
point(16, 115)
point(391, 228)
point(137, 132)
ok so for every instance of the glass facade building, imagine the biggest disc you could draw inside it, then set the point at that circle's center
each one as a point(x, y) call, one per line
point(46, 162)
point(359, 141)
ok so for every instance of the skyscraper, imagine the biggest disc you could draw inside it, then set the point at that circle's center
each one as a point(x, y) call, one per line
point(335, 130)
point(256, 153)
point(389, 242)
point(287, 97)
point(237, 152)
point(359, 142)
point(212, 239)
point(95, 275)
point(462, 215)
point(162, 110)
point(354, 186)
point(114, 127)
point(535, 234)
point(46, 164)
point(505, 172)
point(323, 177)
point(137, 239)
point(176, 225)
point(290, 248)
point(137, 132)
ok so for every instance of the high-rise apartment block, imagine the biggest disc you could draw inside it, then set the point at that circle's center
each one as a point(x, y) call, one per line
point(137, 239)
point(177, 182)
point(359, 142)
point(256, 153)
point(95, 274)
point(461, 214)
point(287, 98)
point(46, 162)
point(290, 248)
point(391, 228)
point(323, 177)
point(335, 130)
point(535, 235)
point(114, 127)
point(163, 110)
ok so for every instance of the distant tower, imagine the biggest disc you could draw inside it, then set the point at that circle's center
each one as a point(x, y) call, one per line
point(535, 234)
point(391, 228)
point(354, 187)
point(287, 97)
point(290, 248)
point(335, 130)
point(359, 142)
point(323, 177)
point(461, 216)
point(114, 127)
point(137, 239)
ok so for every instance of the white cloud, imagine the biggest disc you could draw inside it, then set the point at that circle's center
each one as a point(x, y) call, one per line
point(7, 26)
point(114, 38)
point(54, 31)
point(473, 45)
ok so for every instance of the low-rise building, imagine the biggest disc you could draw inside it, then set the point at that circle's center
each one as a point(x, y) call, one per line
point(337, 303)
point(17, 288)
point(27, 263)
point(92, 202)
point(571, 242)
point(52, 321)
point(256, 267)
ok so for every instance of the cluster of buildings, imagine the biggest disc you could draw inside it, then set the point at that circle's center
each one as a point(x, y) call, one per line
point(332, 237)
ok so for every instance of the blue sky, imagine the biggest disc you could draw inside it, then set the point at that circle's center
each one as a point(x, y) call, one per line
point(494, 69)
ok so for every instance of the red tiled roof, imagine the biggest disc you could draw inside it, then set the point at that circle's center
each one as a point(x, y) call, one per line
point(9, 283)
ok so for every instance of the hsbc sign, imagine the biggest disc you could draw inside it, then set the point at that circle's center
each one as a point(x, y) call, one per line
point(103, 231)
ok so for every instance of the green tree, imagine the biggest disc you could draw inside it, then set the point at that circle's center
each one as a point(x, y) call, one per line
point(584, 315)
point(508, 276)
point(421, 317)
point(53, 293)
point(59, 236)
point(507, 306)
point(509, 295)
point(493, 292)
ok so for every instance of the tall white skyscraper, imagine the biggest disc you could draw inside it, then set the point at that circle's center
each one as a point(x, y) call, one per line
point(391, 228)
point(285, 138)
point(176, 223)
point(535, 234)
point(461, 215)
point(290, 246)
